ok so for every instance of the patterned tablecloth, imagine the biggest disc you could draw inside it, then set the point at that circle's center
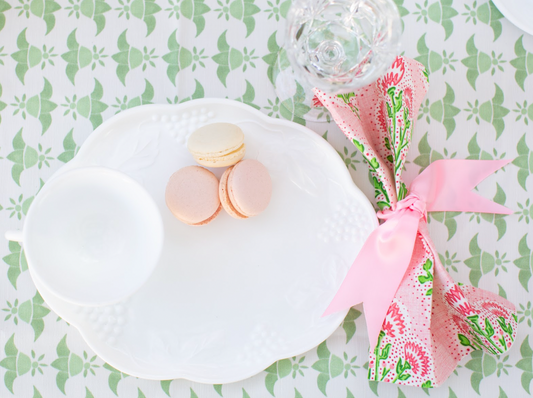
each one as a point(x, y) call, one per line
point(65, 66)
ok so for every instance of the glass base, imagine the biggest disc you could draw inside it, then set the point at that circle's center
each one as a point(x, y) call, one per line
point(295, 95)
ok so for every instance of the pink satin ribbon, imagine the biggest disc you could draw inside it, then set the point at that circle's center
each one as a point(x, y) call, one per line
point(445, 185)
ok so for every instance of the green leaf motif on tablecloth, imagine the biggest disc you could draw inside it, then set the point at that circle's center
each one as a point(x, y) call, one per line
point(36, 393)
point(29, 56)
point(482, 365)
point(524, 161)
point(38, 106)
point(486, 13)
point(499, 220)
point(2, 104)
point(190, 9)
point(165, 386)
point(23, 156)
point(440, 12)
point(277, 8)
point(79, 57)
point(276, 60)
point(141, 9)
point(429, 155)
point(477, 62)
point(40, 8)
point(198, 93)
point(329, 366)
point(69, 364)
point(402, 11)
point(432, 60)
point(526, 364)
point(229, 58)
point(89, 106)
point(490, 111)
point(482, 263)
point(242, 10)
point(178, 58)
point(218, 389)
point(31, 312)
point(16, 261)
point(4, 6)
point(443, 111)
point(524, 111)
point(349, 159)
point(524, 263)
point(295, 105)
point(525, 211)
point(114, 378)
point(523, 63)
point(70, 148)
point(144, 99)
point(93, 9)
point(16, 363)
point(349, 323)
point(249, 96)
point(276, 371)
point(129, 58)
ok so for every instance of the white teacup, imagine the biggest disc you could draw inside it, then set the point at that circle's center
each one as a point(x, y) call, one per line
point(92, 236)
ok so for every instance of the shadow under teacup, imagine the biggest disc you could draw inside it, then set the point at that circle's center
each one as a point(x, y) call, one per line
point(92, 236)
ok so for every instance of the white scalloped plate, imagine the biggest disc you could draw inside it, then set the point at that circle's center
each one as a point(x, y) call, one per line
point(228, 299)
point(518, 12)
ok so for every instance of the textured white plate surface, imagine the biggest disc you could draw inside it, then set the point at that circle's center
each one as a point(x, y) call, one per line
point(518, 12)
point(228, 299)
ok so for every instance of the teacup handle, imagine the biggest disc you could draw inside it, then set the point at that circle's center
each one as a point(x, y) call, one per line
point(14, 236)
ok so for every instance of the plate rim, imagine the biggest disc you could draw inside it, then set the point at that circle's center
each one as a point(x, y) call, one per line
point(257, 367)
point(502, 7)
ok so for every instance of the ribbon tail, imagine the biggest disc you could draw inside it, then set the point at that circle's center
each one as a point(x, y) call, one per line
point(445, 185)
point(378, 271)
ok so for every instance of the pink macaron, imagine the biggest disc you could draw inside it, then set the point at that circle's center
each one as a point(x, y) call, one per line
point(192, 195)
point(245, 189)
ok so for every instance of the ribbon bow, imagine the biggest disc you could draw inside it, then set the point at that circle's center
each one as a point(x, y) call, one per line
point(445, 185)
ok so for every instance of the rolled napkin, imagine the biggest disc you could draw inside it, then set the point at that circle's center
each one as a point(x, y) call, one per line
point(420, 322)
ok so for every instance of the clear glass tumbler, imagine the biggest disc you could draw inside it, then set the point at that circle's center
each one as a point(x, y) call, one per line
point(334, 45)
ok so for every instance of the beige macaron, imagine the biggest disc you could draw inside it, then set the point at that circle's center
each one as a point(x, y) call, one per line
point(217, 145)
point(192, 195)
point(245, 189)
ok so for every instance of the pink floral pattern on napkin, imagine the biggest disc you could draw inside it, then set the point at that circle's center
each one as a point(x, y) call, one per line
point(432, 322)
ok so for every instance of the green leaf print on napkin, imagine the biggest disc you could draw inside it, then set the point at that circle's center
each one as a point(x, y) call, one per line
point(16, 261)
point(524, 263)
point(523, 63)
point(114, 378)
point(23, 156)
point(524, 161)
point(40, 8)
point(278, 370)
point(79, 57)
point(141, 9)
point(190, 9)
point(526, 364)
point(29, 56)
point(178, 58)
point(16, 363)
point(4, 6)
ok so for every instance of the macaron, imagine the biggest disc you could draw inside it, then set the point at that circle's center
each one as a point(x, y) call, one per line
point(217, 145)
point(192, 195)
point(245, 189)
